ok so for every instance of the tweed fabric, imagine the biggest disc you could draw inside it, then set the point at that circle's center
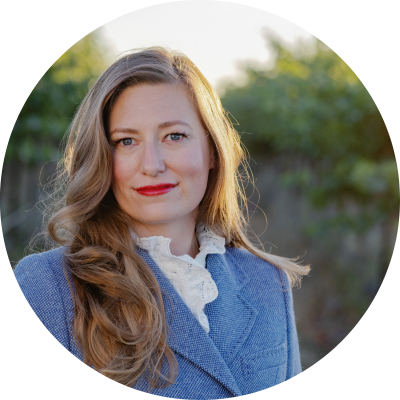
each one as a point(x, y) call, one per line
point(252, 343)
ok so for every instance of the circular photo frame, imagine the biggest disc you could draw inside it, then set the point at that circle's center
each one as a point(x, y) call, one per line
point(324, 175)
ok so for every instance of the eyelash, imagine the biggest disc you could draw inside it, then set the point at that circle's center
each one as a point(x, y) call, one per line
point(170, 134)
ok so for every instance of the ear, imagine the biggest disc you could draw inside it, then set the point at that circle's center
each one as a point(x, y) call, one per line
point(212, 150)
point(212, 159)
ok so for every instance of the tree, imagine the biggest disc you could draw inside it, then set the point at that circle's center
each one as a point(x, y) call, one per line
point(49, 109)
point(37, 135)
point(312, 112)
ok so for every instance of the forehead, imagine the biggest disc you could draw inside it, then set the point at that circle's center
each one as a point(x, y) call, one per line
point(145, 104)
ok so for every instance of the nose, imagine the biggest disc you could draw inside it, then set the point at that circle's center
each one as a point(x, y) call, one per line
point(152, 160)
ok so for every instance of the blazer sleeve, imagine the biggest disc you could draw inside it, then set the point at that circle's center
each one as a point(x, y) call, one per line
point(294, 364)
point(40, 287)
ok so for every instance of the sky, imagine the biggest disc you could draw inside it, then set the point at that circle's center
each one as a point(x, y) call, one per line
point(214, 35)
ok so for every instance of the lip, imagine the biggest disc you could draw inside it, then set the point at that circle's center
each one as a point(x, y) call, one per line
point(155, 190)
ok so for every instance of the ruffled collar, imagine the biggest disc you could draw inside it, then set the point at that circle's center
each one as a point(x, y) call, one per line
point(210, 243)
point(188, 275)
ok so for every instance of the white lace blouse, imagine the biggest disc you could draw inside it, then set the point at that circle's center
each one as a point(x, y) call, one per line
point(188, 276)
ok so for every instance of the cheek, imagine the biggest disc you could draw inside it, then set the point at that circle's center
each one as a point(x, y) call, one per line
point(121, 173)
point(195, 168)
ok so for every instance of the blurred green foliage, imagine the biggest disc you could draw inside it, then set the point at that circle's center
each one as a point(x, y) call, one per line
point(34, 145)
point(49, 109)
point(309, 120)
point(310, 108)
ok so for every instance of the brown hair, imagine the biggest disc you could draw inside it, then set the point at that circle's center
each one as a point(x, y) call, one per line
point(119, 321)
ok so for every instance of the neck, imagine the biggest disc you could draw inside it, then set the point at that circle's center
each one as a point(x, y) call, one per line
point(181, 233)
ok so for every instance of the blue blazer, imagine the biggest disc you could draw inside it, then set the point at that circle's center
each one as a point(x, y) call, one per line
point(252, 343)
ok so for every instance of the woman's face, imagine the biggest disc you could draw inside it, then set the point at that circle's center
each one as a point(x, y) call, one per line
point(161, 154)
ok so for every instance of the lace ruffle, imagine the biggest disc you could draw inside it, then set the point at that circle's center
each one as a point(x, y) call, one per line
point(188, 276)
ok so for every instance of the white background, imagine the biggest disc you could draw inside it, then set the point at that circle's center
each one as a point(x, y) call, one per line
point(35, 33)
point(214, 35)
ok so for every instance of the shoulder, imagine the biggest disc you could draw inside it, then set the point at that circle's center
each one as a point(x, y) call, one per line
point(42, 275)
point(36, 267)
point(250, 267)
point(41, 278)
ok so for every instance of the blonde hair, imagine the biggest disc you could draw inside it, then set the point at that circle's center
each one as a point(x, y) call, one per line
point(119, 320)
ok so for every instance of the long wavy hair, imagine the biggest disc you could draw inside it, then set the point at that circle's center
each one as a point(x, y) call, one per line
point(119, 320)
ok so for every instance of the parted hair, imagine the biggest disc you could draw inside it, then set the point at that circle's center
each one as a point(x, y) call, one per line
point(119, 320)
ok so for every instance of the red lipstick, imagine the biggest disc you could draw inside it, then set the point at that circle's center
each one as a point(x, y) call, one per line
point(155, 190)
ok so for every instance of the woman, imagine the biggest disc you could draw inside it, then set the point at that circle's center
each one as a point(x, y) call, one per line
point(156, 284)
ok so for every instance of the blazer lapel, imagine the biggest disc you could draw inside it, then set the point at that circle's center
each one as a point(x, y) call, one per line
point(230, 315)
point(186, 337)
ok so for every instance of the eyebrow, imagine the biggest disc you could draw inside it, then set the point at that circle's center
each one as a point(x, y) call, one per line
point(166, 124)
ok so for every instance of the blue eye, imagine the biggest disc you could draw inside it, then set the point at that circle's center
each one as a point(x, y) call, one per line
point(127, 141)
point(175, 136)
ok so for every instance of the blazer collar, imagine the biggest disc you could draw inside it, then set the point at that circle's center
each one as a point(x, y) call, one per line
point(230, 315)
point(186, 337)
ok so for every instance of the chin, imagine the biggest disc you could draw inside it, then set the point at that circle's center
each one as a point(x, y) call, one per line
point(157, 216)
